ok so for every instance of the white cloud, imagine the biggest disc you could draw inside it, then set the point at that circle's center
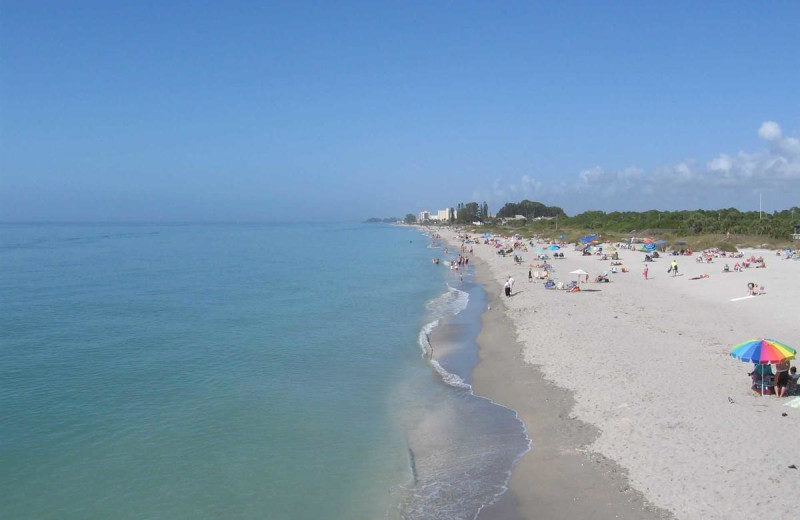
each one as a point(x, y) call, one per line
point(777, 167)
point(770, 131)
point(721, 163)
point(591, 175)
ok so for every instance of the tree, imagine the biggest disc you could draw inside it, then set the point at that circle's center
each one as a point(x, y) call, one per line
point(410, 218)
point(469, 212)
point(530, 210)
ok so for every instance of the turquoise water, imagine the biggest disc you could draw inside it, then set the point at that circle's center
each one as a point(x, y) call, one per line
point(238, 371)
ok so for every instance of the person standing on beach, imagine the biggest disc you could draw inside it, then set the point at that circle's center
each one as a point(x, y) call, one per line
point(530, 274)
point(645, 271)
point(507, 288)
point(674, 268)
point(781, 378)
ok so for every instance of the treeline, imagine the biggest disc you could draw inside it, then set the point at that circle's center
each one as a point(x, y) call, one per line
point(471, 212)
point(530, 210)
point(779, 224)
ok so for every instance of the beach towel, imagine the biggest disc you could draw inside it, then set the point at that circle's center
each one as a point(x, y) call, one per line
point(794, 403)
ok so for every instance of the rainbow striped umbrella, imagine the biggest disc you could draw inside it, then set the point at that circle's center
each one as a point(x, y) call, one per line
point(763, 351)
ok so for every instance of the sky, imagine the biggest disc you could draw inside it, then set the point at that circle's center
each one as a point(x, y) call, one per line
point(307, 111)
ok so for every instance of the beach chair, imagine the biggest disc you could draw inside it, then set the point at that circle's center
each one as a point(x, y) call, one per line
point(763, 388)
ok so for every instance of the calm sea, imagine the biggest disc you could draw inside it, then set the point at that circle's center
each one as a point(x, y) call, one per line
point(243, 372)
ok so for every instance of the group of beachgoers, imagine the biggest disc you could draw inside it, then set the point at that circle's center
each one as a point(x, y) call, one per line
point(780, 383)
point(515, 245)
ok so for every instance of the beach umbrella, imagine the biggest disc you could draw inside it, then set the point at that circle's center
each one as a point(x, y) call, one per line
point(763, 352)
point(681, 243)
point(579, 272)
point(553, 248)
point(649, 247)
point(647, 240)
point(661, 243)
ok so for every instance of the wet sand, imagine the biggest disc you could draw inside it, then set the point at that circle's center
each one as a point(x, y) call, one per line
point(558, 478)
point(635, 407)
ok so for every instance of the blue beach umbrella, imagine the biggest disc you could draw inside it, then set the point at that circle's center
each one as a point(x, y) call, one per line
point(553, 248)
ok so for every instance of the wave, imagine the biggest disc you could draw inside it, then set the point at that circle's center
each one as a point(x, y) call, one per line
point(451, 302)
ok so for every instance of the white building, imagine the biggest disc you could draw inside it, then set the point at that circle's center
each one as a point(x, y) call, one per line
point(424, 215)
point(446, 214)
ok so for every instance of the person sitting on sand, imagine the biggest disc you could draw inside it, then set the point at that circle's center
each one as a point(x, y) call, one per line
point(726, 269)
point(751, 289)
point(736, 267)
point(793, 376)
point(761, 374)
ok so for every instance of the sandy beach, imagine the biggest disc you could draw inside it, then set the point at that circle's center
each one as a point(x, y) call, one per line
point(633, 403)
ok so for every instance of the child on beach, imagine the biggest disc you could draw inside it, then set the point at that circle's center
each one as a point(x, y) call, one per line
point(645, 271)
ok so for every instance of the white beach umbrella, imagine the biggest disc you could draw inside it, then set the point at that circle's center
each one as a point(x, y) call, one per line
point(579, 272)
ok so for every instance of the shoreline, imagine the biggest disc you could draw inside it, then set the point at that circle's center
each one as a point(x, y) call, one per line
point(630, 388)
point(556, 478)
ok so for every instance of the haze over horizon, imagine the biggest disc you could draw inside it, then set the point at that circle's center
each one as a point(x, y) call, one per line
point(346, 110)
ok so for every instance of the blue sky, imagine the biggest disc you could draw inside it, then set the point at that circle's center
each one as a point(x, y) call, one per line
point(181, 111)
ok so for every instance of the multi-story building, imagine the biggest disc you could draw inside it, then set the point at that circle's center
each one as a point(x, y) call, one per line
point(446, 214)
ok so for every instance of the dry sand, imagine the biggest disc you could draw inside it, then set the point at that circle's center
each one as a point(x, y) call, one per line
point(633, 403)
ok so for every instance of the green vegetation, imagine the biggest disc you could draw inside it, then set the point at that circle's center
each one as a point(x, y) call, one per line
point(471, 212)
point(699, 229)
point(529, 210)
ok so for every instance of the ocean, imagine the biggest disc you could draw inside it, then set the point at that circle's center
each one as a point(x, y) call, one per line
point(242, 371)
